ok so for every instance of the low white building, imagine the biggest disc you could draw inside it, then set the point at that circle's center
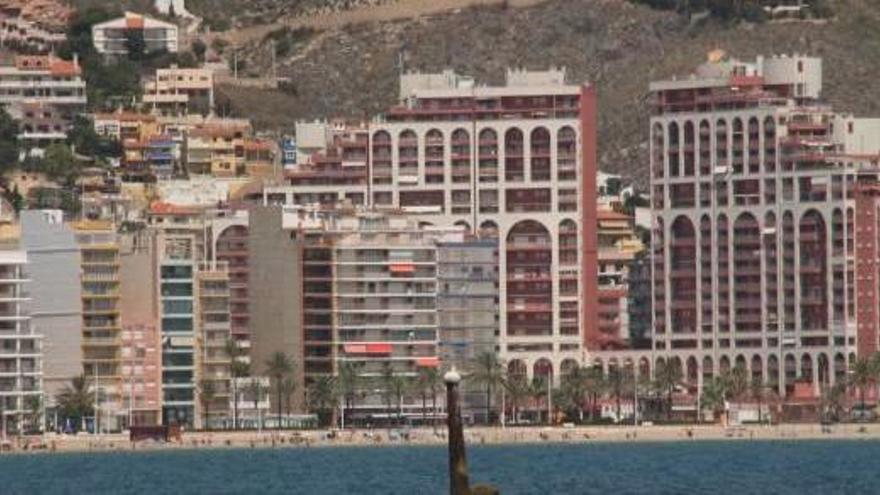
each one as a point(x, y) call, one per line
point(114, 37)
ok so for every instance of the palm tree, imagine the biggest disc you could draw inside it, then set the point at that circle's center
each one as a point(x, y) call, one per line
point(255, 388)
point(666, 378)
point(862, 375)
point(594, 385)
point(757, 389)
point(714, 395)
point(738, 383)
point(575, 384)
point(76, 399)
point(322, 398)
point(488, 371)
point(34, 406)
point(288, 388)
point(347, 383)
point(278, 366)
point(518, 390)
point(428, 383)
point(538, 391)
point(207, 393)
point(833, 401)
point(237, 369)
point(618, 382)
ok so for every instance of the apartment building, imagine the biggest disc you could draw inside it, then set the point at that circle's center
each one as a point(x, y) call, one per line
point(126, 126)
point(212, 333)
point(467, 309)
point(116, 37)
point(55, 295)
point(21, 360)
point(618, 248)
point(141, 339)
point(101, 317)
point(45, 93)
point(756, 236)
point(194, 317)
point(514, 162)
point(229, 242)
point(180, 91)
point(368, 295)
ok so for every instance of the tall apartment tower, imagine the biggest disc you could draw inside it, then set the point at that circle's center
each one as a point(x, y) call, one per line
point(101, 317)
point(21, 367)
point(193, 311)
point(756, 229)
point(515, 162)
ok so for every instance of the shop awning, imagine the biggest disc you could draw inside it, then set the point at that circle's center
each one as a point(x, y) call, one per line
point(402, 268)
point(355, 348)
point(378, 349)
point(428, 362)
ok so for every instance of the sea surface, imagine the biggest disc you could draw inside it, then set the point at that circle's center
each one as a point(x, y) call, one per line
point(740, 467)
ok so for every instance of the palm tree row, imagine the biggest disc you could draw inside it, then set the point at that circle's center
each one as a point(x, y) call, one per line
point(348, 385)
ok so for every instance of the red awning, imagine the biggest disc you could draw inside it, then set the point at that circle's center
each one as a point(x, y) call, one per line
point(428, 362)
point(378, 349)
point(355, 348)
point(402, 268)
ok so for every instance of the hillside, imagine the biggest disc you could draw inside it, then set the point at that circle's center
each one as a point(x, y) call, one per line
point(352, 71)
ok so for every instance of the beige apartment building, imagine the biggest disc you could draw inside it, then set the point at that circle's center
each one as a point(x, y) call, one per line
point(180, 91)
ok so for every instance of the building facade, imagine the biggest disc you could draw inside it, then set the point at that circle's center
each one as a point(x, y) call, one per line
point(21, 361)
point(755, 233)
point(515, 162)
point(180, 91)
point(55, 302)
point(118, 36)
point(101, 317)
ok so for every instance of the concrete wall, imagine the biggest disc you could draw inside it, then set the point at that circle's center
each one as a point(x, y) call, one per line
point(55, 301)
point(275, 296)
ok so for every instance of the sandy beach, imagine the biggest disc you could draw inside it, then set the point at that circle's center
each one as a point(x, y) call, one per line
point(53, 443)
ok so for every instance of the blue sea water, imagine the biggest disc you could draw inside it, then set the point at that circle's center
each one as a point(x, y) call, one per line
point(765, 467)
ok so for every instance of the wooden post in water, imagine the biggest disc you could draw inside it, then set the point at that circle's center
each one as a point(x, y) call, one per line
point(458, 471)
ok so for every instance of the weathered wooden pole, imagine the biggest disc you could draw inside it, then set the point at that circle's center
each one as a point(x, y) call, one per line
point(458, 471)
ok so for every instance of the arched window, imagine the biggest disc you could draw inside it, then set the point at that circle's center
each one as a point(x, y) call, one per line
point(514, 167)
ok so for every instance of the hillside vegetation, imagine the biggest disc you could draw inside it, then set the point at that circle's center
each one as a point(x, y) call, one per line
point(617, 45)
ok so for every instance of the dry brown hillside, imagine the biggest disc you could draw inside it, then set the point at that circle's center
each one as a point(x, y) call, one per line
point(352, 71)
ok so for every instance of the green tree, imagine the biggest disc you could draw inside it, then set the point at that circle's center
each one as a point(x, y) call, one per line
point(237, 369)
point(518, 390)
point(619, 383)
point(135, 44)
point(278, 366)
point(34, 408)
point(207, 394)
point(538, 392)
point(395, 386)
point(76, 400)
point(348, 383)
point(758, 392)
point(713, 396)
point(288, 389)
point(666, 377)
point(738, 383)
point(9, 145)
point(59, 163)
point(863, 374)
point(594, 386)
point(488, 371)
point(428, 383)
point(198, 49)
point(322, 398)
point(255, 389)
